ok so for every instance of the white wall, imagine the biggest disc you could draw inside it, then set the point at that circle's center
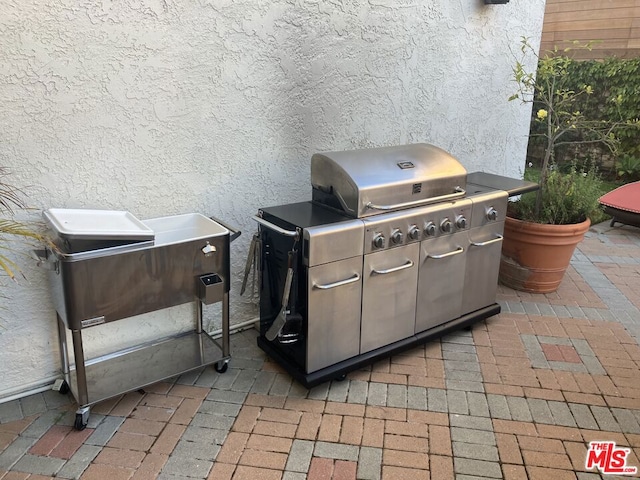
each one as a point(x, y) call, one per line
point(162, 107)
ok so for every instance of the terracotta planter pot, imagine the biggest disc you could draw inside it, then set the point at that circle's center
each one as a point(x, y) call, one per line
point(535, 256)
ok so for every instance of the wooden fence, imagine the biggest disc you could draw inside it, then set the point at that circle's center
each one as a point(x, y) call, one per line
point(613, 25)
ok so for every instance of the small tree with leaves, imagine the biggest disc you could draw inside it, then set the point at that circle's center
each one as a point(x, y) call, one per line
point(556, 107)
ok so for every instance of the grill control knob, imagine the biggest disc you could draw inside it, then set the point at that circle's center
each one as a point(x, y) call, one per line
point(461, 222)
point(446, 226)
point(414, 232)
point(378, 240)
point(430, 229)
point(492, 214)
point(397, 236)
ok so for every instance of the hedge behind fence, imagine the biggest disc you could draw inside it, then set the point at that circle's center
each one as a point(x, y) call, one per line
point(616, 97)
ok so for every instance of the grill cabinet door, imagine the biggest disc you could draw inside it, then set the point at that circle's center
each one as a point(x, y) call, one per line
point(333, 325)
point(483, 265)
point(440, 280)
point(389, 296)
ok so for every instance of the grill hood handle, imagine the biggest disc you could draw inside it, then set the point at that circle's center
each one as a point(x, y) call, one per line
point(459, 193)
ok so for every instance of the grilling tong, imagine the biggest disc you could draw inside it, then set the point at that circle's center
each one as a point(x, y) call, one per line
point(286, 315)
point(253, 263)
point(281, 319)
point(253, 260)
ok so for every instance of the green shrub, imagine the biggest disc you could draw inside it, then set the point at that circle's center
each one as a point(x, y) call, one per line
point(628, 168)
point(570, 197)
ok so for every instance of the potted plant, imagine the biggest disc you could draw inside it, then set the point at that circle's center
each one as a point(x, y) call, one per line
point(543, 228)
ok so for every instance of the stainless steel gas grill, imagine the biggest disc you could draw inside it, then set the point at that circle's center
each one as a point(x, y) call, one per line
point(397, 247)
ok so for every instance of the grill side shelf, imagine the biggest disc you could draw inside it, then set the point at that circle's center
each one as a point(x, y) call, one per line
point(512, 186)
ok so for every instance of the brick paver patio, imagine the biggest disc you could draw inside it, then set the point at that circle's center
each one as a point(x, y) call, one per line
point(519, 396)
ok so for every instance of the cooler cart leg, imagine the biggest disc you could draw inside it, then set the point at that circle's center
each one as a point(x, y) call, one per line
point(199, 330)
point(64, 354)
point(199, 317)
point(81, 375)
point(226, 351)
point(222, 365)
point(82, 414)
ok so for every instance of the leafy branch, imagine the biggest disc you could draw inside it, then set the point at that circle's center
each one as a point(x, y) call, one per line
point(556, 106)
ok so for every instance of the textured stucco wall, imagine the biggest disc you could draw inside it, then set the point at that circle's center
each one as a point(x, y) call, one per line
point(162, 107)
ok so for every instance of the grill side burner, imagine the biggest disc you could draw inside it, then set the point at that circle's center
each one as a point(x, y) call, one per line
point(395, 249)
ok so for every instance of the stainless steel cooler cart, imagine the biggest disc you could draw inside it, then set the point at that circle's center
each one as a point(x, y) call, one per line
point(106, 266)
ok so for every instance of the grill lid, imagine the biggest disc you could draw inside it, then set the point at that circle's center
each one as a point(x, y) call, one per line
point(367, 182)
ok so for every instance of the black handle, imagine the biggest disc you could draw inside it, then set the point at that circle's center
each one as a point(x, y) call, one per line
point(235, 233)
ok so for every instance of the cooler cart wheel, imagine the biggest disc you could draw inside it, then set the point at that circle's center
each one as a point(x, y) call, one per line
point(61, 386)
point(64, 388)
point(341, 377)
point(79, 424)
point(82, 418)
point(221, 366)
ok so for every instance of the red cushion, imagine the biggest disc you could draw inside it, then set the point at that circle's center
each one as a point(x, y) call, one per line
point(626, 197)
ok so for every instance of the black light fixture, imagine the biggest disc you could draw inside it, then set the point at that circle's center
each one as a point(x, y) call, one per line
point(495, 2)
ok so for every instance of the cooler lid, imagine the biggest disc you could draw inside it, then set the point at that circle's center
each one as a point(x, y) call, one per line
point(87, 224)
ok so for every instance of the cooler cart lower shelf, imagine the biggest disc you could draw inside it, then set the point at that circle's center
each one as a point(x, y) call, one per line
point(127, 370)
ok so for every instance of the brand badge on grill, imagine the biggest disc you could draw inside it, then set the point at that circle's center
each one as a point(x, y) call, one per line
point(417, 188)
point(405, 165)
